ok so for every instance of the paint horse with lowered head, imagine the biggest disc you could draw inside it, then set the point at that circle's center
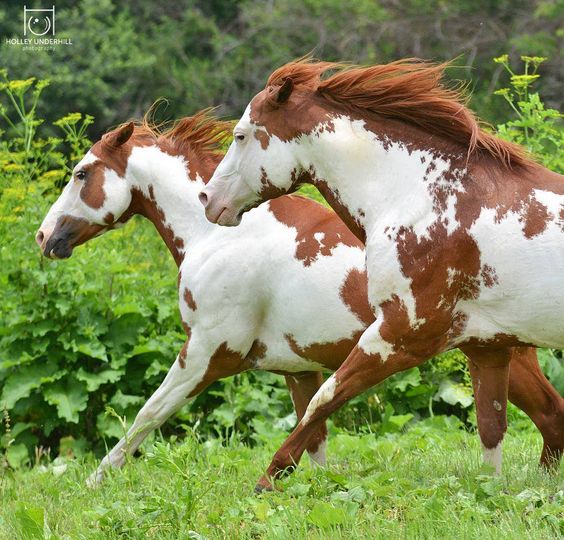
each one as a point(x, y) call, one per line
point(464, 233)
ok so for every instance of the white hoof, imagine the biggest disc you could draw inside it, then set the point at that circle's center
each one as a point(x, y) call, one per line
point(95, 479)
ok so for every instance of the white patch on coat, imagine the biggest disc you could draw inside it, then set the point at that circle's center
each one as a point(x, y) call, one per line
point(319, 457)
point(324, 395)
point(527, 299)
point(372, 343)
point(449, 215)
point(493, 457)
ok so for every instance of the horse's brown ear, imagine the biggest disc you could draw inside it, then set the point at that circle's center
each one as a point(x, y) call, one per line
point(121, 135)
point(284, 92)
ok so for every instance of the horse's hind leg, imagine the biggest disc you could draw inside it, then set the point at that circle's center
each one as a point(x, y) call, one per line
point(303, 387)
point(489, 369)
point(530, 391)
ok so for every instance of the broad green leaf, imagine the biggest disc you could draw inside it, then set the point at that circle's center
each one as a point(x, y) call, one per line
point(17, 455)
point(124, 401)
point(92, 348)
point(32, 523)
point(69, 398)
point(401, 381)
point(261, 510)
point(95, 380)
point(454, 393)
point(326, 515)
point(29, 377)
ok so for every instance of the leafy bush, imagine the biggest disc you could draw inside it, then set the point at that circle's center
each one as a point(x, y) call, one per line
point(101, 329)
point(536, 127)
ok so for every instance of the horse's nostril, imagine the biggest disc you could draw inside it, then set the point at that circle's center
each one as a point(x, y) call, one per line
point(39, 237)
point(203, 198)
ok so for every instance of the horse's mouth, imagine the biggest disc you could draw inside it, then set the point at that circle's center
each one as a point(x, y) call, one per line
point(58, 248)
point(248, 207)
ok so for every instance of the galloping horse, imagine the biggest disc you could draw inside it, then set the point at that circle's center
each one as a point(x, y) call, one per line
point(464, 233)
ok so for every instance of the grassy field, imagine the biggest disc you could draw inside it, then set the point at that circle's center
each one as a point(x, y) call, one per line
point(425, 483)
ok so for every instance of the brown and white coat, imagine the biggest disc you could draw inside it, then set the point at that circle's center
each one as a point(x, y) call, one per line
point(464, 235)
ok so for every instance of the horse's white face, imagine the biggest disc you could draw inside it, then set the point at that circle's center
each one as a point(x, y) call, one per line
point(93, 201)
point(258, 166)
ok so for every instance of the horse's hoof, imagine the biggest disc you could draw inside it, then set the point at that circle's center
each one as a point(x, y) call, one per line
point(265, 485)
point(262, 489)
point(95, 479)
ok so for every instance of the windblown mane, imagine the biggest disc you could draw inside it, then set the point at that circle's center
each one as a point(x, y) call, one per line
point(203, 133)
point(409, 90)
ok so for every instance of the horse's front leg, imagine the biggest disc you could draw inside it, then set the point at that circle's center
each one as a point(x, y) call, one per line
point(303, 386)
point(363, 368)
point(195, 368)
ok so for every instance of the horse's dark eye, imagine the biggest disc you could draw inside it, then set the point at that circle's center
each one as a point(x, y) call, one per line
point(240, 137)
point(80, 175)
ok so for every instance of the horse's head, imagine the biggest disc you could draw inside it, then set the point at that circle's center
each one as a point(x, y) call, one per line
point(97, 197)
point(263, 161)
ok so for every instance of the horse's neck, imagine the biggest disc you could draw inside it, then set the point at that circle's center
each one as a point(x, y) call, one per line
point(168, 197)
point(373, 181)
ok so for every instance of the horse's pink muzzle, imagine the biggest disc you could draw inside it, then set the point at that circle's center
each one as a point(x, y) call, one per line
point(218, 211)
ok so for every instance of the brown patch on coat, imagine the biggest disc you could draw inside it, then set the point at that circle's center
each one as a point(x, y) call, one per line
point(189, 299)
point(148, 207)
point(443, 269)
point(70, 232)
point(92, 190)
point(499, 340)
point(396, 328)
point(182, 355)
point(263, 137)
point(270, 191)
point(332, 197)
point(256, 352)
point(310, 113)
point(310, 219)
point(330, 354)
point(489, 276)
point(354, 293)
point(224, 362)
point(507, 193)
point(536, 219)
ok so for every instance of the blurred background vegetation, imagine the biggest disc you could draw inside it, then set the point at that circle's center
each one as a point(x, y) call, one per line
point(97, 333)
point(197, 53)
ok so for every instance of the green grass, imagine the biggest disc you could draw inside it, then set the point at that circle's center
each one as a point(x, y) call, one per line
point(425, 483)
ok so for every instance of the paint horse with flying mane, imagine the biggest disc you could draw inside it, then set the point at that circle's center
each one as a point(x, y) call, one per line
point(464, 233)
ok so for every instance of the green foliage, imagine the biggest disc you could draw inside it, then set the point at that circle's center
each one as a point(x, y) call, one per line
point(536, 127)
point(126, 54)
point(424, 483)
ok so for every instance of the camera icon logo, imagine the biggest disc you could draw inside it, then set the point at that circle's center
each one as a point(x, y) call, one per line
point(39, 22)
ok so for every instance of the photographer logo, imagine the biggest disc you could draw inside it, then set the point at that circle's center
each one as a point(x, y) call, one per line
point(39, 22)
point(38, 31)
